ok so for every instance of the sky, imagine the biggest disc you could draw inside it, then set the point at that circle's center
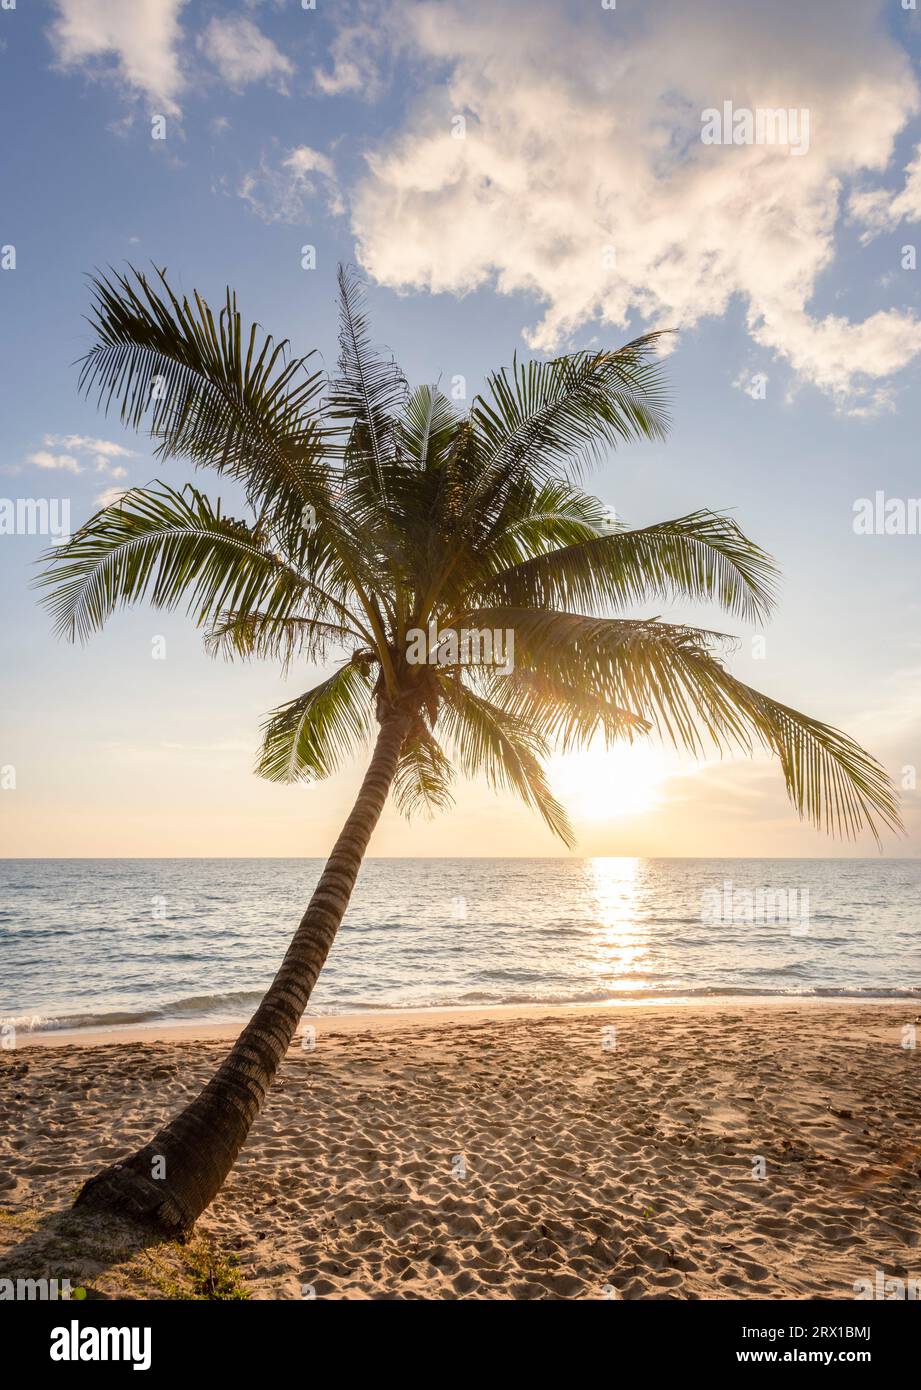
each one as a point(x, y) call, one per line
point(508, 176)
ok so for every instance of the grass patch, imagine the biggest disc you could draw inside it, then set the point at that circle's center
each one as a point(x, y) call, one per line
point(195, 1270)
point(15, 1224)
point(111, 1259)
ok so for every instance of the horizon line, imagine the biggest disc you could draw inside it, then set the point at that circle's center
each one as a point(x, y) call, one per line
point(440, 858)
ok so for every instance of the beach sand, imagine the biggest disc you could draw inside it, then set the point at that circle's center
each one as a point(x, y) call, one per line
point(517, 1153)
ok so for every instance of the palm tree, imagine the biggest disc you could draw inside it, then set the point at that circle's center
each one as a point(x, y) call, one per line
point(375, 515)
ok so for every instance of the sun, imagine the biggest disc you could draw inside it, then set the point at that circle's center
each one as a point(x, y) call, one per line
point(604, 784)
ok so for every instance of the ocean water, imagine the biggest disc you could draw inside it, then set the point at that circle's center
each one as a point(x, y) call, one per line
point(113, 941)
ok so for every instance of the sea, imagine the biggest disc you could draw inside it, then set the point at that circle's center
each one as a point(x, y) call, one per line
point(90, 943)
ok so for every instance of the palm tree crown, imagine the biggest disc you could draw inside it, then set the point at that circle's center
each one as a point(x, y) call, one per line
point(380, 518)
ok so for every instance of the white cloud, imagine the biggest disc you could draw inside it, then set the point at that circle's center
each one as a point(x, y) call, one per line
point(880, 401)
point(358, 52)
point(43, 459)
point(280, 193)
point(242, 53)
point(103, 453)
point(880, 211)
point(104, 466)
point(134, 41)
point(110, 496)
point(86, 443)
point(582, 179)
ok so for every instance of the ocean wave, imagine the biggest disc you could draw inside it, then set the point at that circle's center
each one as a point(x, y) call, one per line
point(792, 968)
point(870, 992)
point(198, 1006)
point(236, 1007)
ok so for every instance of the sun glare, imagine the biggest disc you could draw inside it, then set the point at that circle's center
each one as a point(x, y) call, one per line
point(603, 784)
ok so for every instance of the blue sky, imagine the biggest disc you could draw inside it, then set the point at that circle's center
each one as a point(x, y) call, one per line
point(338, 127)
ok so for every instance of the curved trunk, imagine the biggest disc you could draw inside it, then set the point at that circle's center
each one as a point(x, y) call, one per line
point(171, 1180)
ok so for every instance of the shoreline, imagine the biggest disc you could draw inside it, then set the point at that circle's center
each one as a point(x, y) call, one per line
point(394, 1019)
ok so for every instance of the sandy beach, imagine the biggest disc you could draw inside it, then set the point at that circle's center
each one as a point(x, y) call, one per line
point(518, 1153)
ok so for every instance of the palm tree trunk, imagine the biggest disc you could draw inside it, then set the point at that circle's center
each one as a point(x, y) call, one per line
point(171, 1180)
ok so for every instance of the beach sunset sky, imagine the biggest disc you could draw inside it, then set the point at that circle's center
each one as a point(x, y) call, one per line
point(528, 178)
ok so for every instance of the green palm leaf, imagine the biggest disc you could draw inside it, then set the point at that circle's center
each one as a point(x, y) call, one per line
point(163, 546)
point(203, 387)
point(701, 556)
point(492, 743)
point(670, 676)
point(564, 412)
point(428, 427)
point(565, 716)
point(370, 391)
point(308, 738)
point(251, 634)
point(424, 775)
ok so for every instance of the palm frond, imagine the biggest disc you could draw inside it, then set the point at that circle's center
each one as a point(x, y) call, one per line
point(204, 387)
point(544, 415)
point(165, 546)
point(428, 427)
point(702, 556)
point(235, 400)
point(308, 738)
point(831, 780)
point(564, 716)
point(671, 676)
point(492, 743)
point(424, 775)
point(252, 634)
point(370, 391)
